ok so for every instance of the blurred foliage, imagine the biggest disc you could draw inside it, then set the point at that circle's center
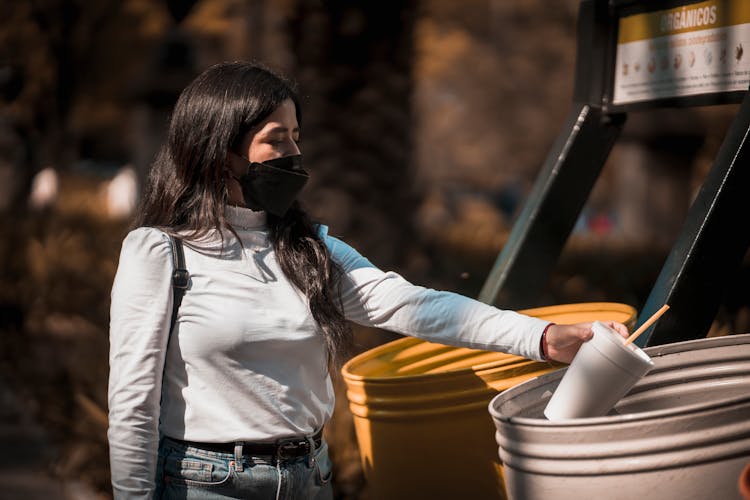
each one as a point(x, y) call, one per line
point(53, 347)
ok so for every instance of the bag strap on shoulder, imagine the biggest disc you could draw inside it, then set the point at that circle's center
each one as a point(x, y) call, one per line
point(180, 278)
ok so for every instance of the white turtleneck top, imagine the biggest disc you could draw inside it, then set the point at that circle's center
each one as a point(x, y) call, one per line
point(246, 360)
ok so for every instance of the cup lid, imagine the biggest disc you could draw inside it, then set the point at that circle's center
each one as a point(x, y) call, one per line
point(612, 345)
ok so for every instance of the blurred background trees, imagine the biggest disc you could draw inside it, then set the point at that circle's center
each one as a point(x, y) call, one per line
point(424, 124)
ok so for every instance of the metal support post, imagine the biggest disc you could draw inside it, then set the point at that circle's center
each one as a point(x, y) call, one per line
point(710, 247)
point(554, 204)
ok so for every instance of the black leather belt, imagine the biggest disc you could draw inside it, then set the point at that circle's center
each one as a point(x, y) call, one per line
point(283, 448)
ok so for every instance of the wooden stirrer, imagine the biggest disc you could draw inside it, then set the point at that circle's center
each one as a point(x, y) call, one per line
point(648, 323)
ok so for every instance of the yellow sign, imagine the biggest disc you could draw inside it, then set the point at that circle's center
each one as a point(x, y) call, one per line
point(700, 48)
point(693, 17)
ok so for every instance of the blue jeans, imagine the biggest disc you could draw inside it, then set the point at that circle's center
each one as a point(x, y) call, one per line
point(185, 472)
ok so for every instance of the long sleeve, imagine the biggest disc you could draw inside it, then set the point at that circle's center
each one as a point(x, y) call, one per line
point(139, 322)
point(386, 300)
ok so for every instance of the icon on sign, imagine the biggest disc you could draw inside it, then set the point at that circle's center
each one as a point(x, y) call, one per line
point(708, 56)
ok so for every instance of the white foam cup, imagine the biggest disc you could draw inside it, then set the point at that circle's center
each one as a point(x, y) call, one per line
point(602, 372)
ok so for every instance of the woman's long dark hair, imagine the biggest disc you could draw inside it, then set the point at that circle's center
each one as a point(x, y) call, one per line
point(186, 188)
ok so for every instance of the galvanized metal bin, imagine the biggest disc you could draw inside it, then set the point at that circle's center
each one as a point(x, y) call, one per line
point(682, 432)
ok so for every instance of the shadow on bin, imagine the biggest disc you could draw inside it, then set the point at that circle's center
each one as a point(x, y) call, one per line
point(420, 410)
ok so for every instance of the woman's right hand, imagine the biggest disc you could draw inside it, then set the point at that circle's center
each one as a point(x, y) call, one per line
point(563, 341)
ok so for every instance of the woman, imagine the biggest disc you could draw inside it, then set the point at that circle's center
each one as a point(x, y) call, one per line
point(240, 390)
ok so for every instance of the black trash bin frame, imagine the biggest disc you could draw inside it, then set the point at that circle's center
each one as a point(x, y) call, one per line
point(712, 242)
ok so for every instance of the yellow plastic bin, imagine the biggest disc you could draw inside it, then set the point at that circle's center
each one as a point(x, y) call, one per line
point(420, 410)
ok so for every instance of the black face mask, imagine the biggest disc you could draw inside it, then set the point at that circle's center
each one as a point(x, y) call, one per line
point(272, 185)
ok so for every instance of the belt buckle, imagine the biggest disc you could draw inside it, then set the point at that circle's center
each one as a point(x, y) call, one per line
point(290, 448)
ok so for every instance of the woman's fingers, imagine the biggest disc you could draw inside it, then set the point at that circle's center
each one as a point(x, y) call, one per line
point(565, 335)
point(584, 331)
point(619, 328)
point(563, 341)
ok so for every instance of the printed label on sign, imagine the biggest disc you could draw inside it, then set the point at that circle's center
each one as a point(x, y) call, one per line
point(700, 48)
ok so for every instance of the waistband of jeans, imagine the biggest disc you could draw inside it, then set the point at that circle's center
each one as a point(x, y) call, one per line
point(283, 448)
